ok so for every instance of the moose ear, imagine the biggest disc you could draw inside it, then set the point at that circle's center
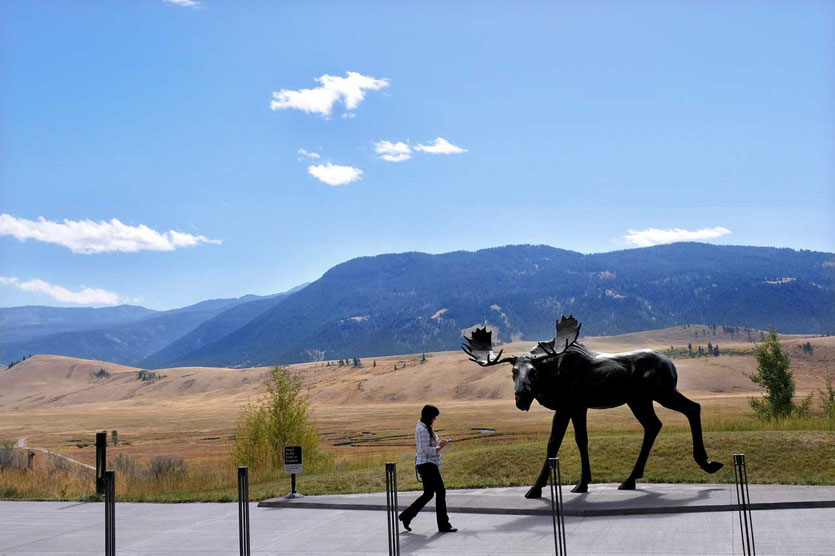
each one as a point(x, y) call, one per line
point(568, 330)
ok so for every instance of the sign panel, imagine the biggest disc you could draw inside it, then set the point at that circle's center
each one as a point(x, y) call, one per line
point(292, 459)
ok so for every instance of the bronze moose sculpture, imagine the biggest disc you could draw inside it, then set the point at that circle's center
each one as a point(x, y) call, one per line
point(565, 376)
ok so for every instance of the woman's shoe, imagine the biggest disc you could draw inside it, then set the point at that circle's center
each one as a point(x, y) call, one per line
point(405, 522)
point(449, 529)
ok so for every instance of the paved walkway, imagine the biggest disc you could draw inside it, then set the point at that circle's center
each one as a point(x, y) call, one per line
point(28, 528)
point(601, 500)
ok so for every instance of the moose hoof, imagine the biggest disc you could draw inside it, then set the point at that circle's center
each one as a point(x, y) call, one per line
point(534, 492)
point(581, 487)
point(713, 466)
point(628, 484)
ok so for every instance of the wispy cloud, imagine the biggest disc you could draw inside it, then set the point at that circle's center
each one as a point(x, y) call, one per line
point(88, 236)
point(309, 154)
point(332, 174)
point(350, 90)
point(85, 296)
point(185, 3)
point(440, 146)
point(655, 236)
point(393, 152)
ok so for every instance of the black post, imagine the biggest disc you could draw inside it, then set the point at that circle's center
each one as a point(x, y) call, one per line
point(292, 483)
point(743, 501)
point(557, 515)
point(243, 509)
point(109, 481)
point(391, 509)
point(101, 460)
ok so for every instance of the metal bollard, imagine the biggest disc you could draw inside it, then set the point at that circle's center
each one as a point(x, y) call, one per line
point(109, 513)
point(557, 516)
point(743, 502)
point(101, 460)
point(243, 510)
point(391, 509)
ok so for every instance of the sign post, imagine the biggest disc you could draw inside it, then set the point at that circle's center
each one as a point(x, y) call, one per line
point(293, 465)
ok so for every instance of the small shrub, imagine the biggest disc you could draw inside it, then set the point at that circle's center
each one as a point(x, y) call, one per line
point(101, 373)
point(827, 398)
point(7, 457)
point(126, 465)
point(58, 464)
point(166, 466)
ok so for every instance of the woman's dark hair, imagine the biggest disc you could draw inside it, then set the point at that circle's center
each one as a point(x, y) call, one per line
point(428, 413)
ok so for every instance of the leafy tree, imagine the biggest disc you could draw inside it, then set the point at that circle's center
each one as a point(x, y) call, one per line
point(774, 374)
point(281, 417)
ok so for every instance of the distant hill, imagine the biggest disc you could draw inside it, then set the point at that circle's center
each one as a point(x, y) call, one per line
point(124, 334)
point(176, 353)
point(413, 302)
point(416, 302)
point(444, 376)
point(19, 324)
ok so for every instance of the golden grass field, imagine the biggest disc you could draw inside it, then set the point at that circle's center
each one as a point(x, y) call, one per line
point(366, 415)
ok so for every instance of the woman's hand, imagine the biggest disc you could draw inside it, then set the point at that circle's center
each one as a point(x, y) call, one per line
point(442, 442)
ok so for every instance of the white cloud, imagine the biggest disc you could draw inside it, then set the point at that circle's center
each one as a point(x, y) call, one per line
point(85, 296)
point(654, 236)
point(348, 115)
point(350, 90)
point(332, 174)
point(87, 236)
point(309, 154)
point(393, 152)
point(440, 146)
point(185, 3)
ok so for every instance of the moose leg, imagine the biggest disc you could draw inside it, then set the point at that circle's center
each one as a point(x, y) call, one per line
point(645, 414)
point(558, 427)
point(675, 400)
point(581, 436)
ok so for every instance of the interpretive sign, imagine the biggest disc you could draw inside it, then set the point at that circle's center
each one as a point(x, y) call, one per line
point(292, 460)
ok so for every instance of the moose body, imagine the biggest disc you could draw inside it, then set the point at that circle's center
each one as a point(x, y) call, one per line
point(565, 376)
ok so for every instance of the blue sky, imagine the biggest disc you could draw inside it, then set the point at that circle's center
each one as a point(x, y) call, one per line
point(580, 121)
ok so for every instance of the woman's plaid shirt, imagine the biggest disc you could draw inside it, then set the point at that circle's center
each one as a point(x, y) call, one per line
point(427, 447)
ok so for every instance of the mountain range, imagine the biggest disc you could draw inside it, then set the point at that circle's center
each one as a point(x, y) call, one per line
point(414, 302)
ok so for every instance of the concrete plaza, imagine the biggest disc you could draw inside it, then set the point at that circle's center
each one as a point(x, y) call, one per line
point(29, 528)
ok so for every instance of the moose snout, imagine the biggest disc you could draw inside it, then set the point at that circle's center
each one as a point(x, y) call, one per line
point(523, 402)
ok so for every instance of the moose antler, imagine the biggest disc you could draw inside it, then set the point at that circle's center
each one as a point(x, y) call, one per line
point(479, 347)
point(568, 330)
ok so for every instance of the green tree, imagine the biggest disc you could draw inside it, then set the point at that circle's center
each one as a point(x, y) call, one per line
point(281, 417)
point(774, 374)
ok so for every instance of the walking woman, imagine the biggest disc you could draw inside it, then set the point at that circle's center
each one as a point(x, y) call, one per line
point(428, 451)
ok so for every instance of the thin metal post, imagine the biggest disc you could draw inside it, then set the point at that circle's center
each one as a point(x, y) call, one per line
point(557, 514)
point(391, 509)
point(743, 501)
point(109, 481)
point(101, 460)
point(243, 510)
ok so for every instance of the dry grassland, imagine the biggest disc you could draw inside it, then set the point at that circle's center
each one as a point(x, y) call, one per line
point(366, 415)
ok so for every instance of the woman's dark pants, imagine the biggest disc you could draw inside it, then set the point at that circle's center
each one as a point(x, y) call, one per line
point(433, 485)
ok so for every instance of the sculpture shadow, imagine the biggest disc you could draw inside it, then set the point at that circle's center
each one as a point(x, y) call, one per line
point(644, 499)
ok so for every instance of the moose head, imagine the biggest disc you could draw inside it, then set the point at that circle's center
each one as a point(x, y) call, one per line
point(526, 367)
